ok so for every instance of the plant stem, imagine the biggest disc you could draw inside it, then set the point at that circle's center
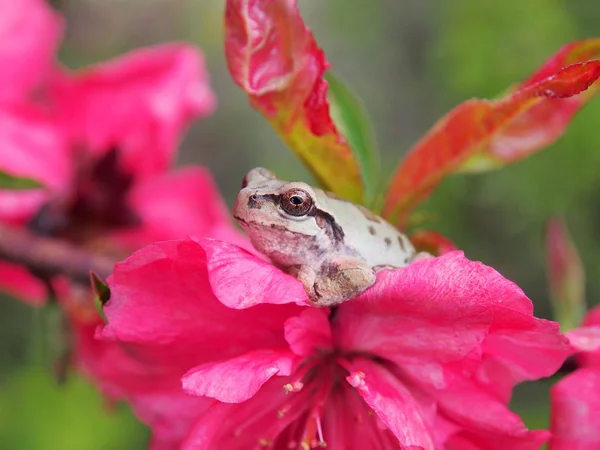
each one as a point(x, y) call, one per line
point(47, 257)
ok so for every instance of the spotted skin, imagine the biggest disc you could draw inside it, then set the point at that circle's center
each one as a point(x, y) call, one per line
point(332, 246)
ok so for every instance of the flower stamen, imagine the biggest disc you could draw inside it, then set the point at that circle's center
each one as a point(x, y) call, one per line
point(294, 386)
point(265, 442)
point(320, 433)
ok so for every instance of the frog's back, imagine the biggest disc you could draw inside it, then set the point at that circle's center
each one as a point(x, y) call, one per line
point(369, 236)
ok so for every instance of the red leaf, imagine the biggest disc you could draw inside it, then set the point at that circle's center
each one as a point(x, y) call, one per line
point(274, 58)
point(485, 134)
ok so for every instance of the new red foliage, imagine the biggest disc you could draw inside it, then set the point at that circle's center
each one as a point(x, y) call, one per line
point(484, 134)
point(274, 58)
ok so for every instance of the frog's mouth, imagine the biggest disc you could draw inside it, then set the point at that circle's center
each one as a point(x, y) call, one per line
point(241, 221)
point(279, 228)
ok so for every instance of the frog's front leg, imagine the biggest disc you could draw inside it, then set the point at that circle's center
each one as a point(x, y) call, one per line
point(339, 279)
point(305, 275)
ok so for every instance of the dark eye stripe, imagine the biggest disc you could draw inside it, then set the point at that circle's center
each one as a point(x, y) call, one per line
point(254, 201)
point(325, 220)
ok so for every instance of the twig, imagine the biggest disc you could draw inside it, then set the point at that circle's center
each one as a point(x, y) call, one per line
point(50, 257)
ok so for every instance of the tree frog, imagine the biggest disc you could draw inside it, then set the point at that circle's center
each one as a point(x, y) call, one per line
point(332, 246)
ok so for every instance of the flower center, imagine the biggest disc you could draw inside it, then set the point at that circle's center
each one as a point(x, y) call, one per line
point(96, 204)
point(311, 409)
point(318, 400)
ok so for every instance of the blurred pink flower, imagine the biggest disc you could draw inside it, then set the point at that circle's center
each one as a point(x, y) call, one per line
point(139, 103)
point(426, 359)
point(185, 202)
point(30, 32)
point(98, 140)
point(101, 142)
point(575, 409)
point(123, 118)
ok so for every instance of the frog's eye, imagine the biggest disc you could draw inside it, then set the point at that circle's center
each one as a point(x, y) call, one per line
point(296, 202)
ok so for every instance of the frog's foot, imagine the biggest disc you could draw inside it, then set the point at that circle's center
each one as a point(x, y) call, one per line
point(339, 280)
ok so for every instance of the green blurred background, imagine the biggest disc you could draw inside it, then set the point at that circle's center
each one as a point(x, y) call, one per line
point(410, 62)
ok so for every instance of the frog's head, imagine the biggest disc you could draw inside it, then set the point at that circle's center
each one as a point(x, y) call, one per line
point(273, 211)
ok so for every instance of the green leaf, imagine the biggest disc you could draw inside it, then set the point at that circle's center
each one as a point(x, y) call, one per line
point(101, 294)
point(350, 116)
point(17, 183)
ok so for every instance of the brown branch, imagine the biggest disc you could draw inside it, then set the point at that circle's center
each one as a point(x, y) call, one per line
point(47, 257)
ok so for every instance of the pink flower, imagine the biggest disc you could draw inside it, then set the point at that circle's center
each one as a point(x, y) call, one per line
point(99, 141)
point(575, 409)
point(140, 103)
point(30, 32)
point(119, 119)
point(29, 35)
point(59, 126)
point(154, 391)
point(183, 203)
point(425, 359)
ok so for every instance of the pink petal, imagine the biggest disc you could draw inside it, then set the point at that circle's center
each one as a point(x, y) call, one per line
point(170, 415)
point(120, 370)
point(30, 32)
point(520, 347)
point(483, 420)
point(350, 424)
point(529, 347)
point(163, 308)
point(471, 406)
point(153, 390)
point(245, 425)
point(207, 429)
point(309, 332)
point(438, 316)
point(575, 412)
point(237, 379)
point(32, 147)
point(241, 280)
point(283, 418)
point(140, 102)
point(497, 377)
point(183, 202)
point(392, 402)
point(444, 429)
point(176, 205)
point(18, 282)
point(592, 317)
point(532, 440)
point(585, 339)
point(19, 207)
point(437, 311)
